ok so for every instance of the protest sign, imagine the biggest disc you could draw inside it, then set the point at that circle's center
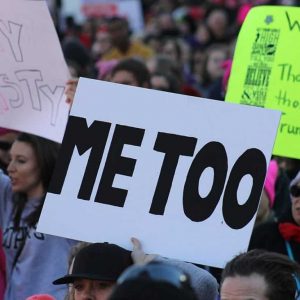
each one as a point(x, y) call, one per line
point(183, 174)
point(266, 70)
point(130, 9)
point(33, 70)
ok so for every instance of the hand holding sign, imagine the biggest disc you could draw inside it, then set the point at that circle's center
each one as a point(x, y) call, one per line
point(172, 164)
point(138, 255)
point(70, 90)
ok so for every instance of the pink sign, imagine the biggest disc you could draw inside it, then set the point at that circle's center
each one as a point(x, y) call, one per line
point(33, 70)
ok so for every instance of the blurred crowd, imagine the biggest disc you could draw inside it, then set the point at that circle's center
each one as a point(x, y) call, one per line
point(187, 46)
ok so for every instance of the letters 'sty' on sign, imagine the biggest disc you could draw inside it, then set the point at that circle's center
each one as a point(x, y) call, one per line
point(33, 70)
point(183, 174)
point(266, 70)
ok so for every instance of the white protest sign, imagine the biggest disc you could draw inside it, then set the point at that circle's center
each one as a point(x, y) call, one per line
point(182, 174)
point(33, 70)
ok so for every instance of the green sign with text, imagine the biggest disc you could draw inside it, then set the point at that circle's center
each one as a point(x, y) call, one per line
point(266, 70)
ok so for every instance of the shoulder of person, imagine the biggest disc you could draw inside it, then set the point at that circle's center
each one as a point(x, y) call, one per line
point(266, 228)
point(204, 283)
point(4, 180)
point(263, 234)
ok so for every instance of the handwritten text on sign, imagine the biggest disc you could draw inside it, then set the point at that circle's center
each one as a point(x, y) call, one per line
point(137, 162)
point(266, 70)
point(33, 74)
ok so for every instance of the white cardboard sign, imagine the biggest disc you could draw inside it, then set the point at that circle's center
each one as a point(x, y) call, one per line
point(33, 70)
point(182, 174)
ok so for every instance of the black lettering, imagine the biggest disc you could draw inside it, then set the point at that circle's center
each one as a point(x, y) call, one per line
point(39, 235)
point(83, 137)
point(117, 164)
point(173, 146)
point(292, 25)
point(251, 162)
point(195, 207)
point(19, 236)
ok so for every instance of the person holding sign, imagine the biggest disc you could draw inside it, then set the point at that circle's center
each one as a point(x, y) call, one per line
point(95, 269)
point(130, 71)
point(33, 259)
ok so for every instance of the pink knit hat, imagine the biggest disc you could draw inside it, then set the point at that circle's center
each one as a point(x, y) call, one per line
point(226, 66)
point(270, 181)
point(242, 13)
point(41, 297)
point(105, 67)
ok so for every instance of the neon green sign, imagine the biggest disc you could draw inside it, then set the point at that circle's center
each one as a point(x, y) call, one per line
point(266, 70)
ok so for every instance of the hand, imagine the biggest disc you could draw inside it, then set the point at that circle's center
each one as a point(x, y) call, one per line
point(138, 255)
point(70, 90)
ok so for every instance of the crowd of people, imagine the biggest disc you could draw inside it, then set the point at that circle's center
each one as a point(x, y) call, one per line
point(186, 47)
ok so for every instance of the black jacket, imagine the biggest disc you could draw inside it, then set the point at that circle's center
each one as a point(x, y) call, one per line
point(267, 236)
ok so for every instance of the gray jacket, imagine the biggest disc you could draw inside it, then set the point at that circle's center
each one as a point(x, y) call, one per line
point(41, 258)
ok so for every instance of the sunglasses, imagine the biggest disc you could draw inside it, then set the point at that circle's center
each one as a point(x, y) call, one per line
point(295, 191)
point(157, 272)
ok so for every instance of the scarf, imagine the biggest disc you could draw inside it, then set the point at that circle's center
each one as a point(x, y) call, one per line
point(290, 232)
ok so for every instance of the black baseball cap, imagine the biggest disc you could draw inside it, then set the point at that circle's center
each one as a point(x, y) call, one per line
point(98, 261)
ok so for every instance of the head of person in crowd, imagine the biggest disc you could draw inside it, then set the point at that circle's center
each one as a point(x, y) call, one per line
point(118, 29)
point(7, 136)
point(202, 35)
point(131, 71)
point(290, 227)
point(32, 161)
point(290, 166)
point(164, 81)
point(295, 197)
point(218, 23)
point(95, 271)
point(172, 49)
point(260, 275)
point(73, 252)
point(178, 51)
point(153, 281)
point(76, 53)
point(163, 64)
point(102, 43)
point(166, 24)
point(216, 54)
point(153, 41)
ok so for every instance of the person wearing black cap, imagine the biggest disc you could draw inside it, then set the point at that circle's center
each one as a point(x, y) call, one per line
point(95, 271)
point(96, 268)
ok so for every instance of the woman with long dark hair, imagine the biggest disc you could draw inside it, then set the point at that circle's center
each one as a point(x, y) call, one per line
point(33, 259)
